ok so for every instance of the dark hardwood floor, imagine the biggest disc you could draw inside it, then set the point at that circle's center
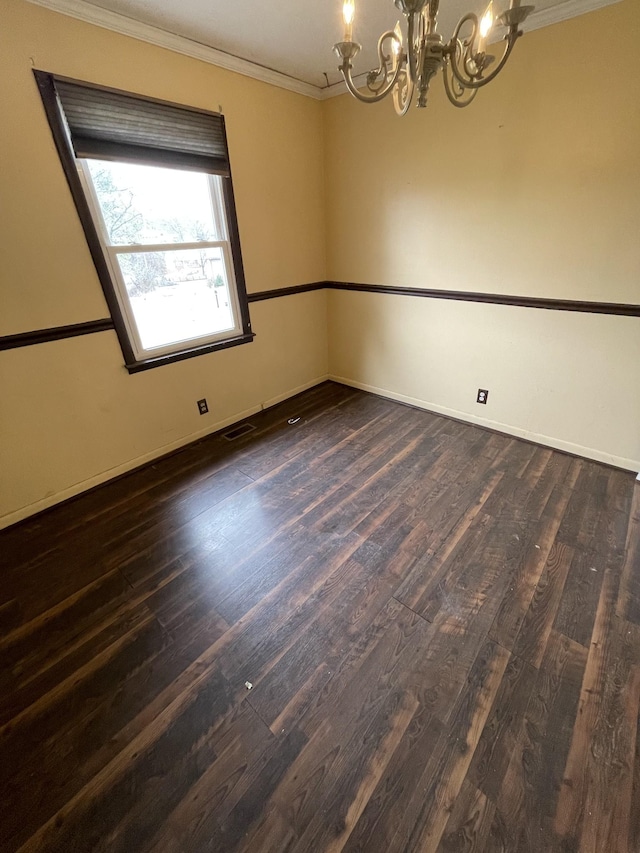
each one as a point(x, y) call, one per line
point(441, 627)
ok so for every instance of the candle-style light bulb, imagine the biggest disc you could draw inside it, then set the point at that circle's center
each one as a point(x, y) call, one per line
point(486, 25)
point(397, 43)
point(348, 12)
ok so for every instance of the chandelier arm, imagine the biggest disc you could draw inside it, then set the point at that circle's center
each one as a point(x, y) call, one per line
point(402, 102)
point(381, 73)
point(388, 80)
point(449, 87)
point(510, 41)
point(464, 47)
point(473, 81)
point(469, 18)
point(377, 78)
point(368, 99)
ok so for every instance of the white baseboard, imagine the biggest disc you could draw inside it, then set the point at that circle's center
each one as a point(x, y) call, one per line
point(131, 464)
point(517, 432)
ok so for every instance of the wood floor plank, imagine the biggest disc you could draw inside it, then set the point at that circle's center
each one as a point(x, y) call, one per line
point(32, 683)
point(634, 824)
point(177, 738)
point(469, 825)
point(41, 642)
point(427, 812)
point(240, 753)
point(628, 606)
point(371, 709)
point(579, 602)
point(500, 735)
point(527, 570)
point(377, 823)
point(353, 610)
point(600, 763)
point(230, 831)
point(10, 616)
point(346, 613)
point(442, 672)
point(440, 540)
point(528, 797)
point(365, 760)
point(531, 642)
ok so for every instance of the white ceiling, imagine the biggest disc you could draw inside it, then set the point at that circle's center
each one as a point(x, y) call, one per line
point(295, 37)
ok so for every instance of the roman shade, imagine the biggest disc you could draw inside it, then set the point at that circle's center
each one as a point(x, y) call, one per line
point(107, 124)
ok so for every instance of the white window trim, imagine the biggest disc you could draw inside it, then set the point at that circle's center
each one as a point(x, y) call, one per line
point(111, 251)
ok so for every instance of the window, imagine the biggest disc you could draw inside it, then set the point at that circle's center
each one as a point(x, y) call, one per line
point(152, 186)
point(164, 235)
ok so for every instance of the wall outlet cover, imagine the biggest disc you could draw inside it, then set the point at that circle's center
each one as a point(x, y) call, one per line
point(482, 396)
point(202, 406)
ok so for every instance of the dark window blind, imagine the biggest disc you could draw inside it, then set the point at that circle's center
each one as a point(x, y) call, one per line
point(110, 125)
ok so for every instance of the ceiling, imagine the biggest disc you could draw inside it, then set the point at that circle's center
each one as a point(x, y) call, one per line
point(295, 37)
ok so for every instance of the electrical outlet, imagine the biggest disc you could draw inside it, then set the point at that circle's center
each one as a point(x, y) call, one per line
point(482, 396)
point(202, 407)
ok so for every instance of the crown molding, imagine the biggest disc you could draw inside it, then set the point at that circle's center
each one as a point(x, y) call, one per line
point(564, 11)
point(117, 23)
point(538, 20)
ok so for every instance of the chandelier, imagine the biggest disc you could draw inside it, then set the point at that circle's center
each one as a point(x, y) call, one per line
point(464, 60)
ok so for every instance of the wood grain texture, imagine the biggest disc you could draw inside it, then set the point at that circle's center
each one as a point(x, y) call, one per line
point(440, 626)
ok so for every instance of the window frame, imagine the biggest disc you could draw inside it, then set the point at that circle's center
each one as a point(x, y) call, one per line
point(112, 250)
point(84, 198)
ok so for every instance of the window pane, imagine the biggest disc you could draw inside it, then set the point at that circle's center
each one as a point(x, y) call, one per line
point(177, 295)
point(149, 204)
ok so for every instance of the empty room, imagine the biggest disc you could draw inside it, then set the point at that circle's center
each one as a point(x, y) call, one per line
point(320, 426)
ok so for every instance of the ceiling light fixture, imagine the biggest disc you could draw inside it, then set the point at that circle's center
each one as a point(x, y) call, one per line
point(464, 60)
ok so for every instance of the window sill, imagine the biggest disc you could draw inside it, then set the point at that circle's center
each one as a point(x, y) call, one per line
point(169, 358)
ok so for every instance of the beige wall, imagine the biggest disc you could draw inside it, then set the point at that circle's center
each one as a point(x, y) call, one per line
point(70, 414)
point(533, 190)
